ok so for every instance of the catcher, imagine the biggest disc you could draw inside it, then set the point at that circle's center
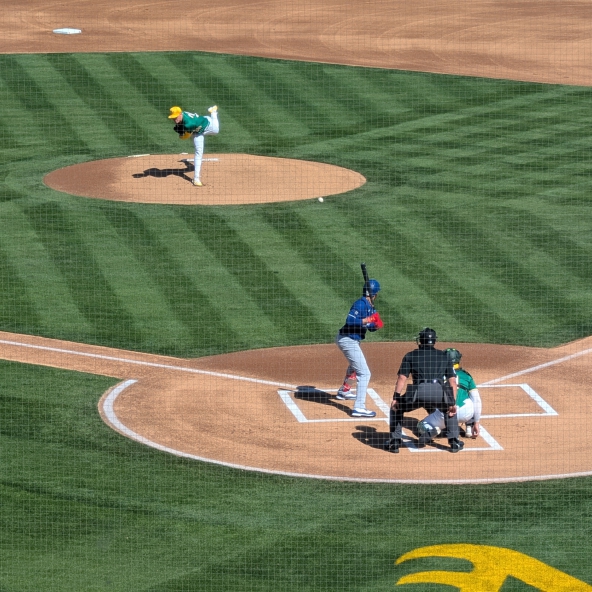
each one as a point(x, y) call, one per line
point(197, 126)
point(468, 403)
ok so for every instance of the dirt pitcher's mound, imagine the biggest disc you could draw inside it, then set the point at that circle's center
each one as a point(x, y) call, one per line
point(229, 179)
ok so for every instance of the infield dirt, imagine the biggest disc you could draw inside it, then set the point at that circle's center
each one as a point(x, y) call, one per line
point(227, 409)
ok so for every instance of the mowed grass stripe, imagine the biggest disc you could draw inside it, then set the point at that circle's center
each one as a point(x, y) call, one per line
point(84, 73)
point(320, 109)
point(426, 119)
point(43, 284)
point(9, 193)
point(63, 238)
point(43, 120)
point(470, 285)
point(413, 288)
point(226, 296)
point(565, 260)
point(188, 299)
point(328, 271)
point(346, 227)
point(129, 278)
point(504, 260)
point(176, 85)
point(238, 250)
point(266, 119)
point(307, 284)
point(371, 94)
point(18, 312)
point(146, 119)
point(88, 128)
point(145, 85)
point(15, 142)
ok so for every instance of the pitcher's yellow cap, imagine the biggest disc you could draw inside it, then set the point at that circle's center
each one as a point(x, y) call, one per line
point(175, 112)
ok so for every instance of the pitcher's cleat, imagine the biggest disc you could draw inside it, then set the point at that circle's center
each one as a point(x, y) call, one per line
point(213, 109)
point(197, 183)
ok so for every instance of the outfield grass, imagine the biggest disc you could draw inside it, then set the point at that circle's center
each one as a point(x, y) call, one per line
point(475, 216)
point(82, 508)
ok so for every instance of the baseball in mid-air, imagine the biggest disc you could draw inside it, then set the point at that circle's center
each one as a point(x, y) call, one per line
point(321, 199)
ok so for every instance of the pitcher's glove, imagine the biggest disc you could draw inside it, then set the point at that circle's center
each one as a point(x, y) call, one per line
point(180, 129)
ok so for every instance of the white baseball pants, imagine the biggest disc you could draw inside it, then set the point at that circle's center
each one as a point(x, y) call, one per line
point(353, 354)
point(198, 142)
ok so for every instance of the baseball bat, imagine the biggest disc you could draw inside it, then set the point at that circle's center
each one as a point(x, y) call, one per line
point(364, 272)
point(366, 278)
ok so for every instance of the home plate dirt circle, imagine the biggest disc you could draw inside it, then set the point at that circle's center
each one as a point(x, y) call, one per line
point(275, 411)
point(229, 179)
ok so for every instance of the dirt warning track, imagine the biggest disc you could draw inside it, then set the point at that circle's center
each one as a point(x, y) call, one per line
point(274, 410)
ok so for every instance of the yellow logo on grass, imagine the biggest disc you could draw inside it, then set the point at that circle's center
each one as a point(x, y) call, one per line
point(492, 566)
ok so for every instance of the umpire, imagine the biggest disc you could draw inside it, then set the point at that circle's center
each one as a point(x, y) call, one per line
point(433, 387)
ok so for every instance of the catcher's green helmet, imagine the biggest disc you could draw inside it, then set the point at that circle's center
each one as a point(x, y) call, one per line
point(454, 355)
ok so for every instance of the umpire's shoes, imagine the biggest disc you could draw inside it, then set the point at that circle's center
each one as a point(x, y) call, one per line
point(456, 445)
point(392, 445)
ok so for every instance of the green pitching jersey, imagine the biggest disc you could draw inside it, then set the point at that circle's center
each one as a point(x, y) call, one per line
point(195, 123)
point(465, 384)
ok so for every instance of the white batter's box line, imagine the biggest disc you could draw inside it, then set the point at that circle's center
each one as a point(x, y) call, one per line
point(548, 411)
point(286, 397)
point(493, 444)
point(408, 441)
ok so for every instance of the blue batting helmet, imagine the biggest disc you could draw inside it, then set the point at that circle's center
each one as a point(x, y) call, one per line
point(371, 288)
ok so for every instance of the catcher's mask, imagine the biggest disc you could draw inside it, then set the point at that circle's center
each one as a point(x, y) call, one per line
point(371, 288)
point(454, 355)
point(175, 112)
point(427, 336)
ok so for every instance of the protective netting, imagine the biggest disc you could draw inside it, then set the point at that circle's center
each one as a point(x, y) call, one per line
point(187, 402)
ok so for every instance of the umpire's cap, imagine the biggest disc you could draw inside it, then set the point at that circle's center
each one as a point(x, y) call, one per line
point(175, 112)
point(427, 336)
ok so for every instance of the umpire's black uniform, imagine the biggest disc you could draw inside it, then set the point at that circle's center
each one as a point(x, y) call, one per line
point(430, 368)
